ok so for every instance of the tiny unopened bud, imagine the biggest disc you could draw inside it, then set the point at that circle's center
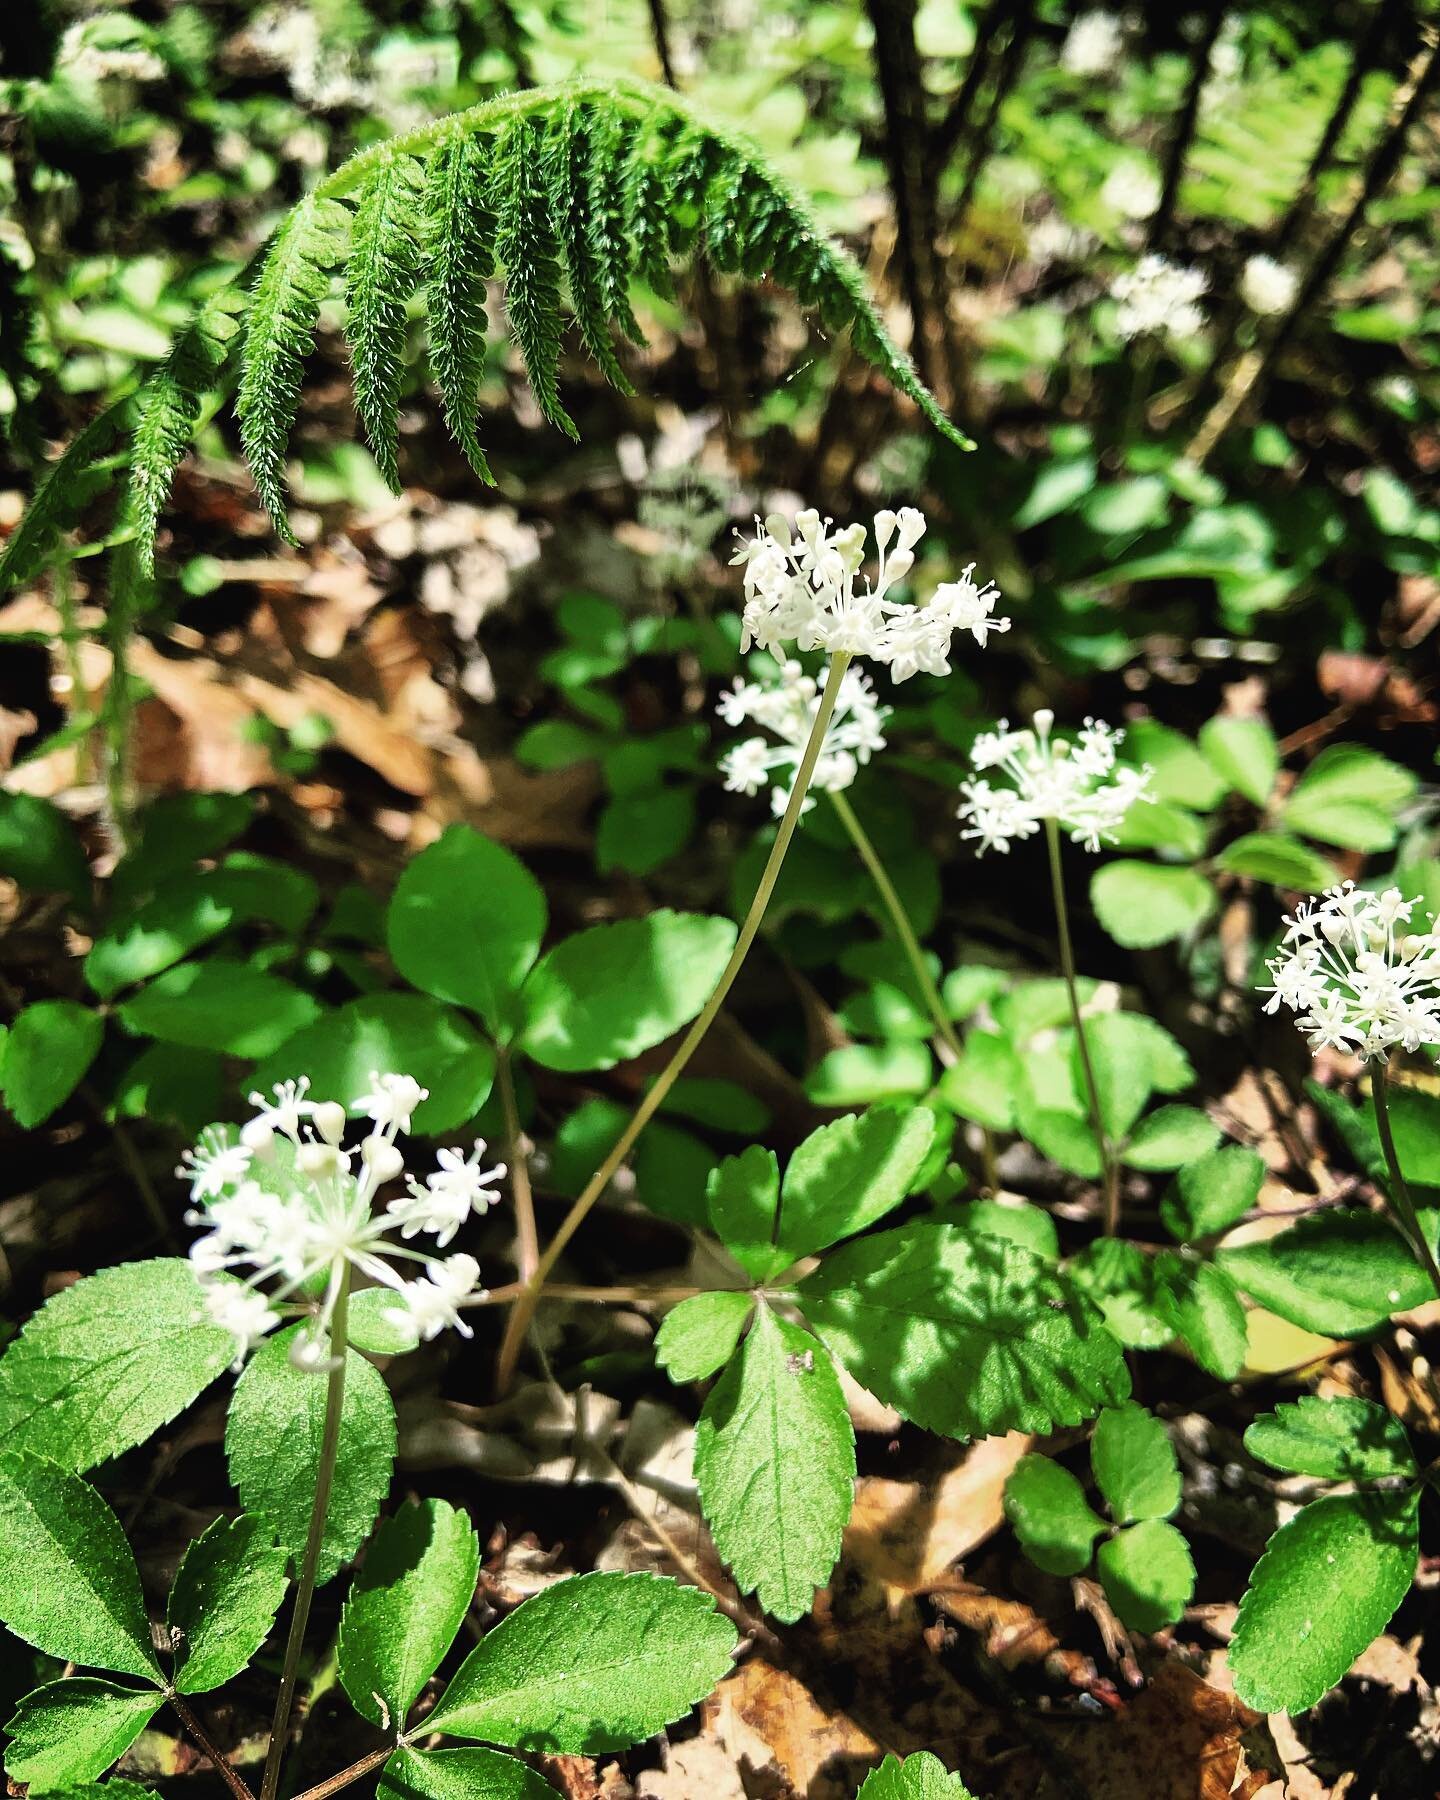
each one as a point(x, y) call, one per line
point(382, 1158)
point(329, 1119)
point(317, 1159)
point(258, 1137)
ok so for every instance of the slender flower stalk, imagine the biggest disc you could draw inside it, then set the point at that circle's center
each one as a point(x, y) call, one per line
point(1109, 1169)
point(529, 1296)
point(1400, 1197)
point(314, 1537)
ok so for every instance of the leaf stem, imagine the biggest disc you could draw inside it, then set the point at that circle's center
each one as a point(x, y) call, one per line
point(529, 1296)
point(900, 919)
point(314, 1538)
point(221, 1764)
point(343, 1777)
point(1109, 1172)
point(1400, 1198)
point(527, 1240)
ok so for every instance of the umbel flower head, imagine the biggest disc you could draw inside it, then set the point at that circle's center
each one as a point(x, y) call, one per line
point(1158, 296)
point(292, 1204)
point(1355, 977)
point(786, 705)
point(804, 587)
point(1079, 784)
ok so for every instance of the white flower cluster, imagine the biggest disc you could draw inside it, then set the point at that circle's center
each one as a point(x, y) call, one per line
point(1267, 286)
point(1158, 296)
point(1093, 44)
point(86, 56)
point(1354, 979)
point(1131, 190)
point(320, 70)
point(289, 1200)
point(786, 706)
point(803, 586)
point(1080, 785)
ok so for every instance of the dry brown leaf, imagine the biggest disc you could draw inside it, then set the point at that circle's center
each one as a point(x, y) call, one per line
point(905, 1536)
point(785, 1742)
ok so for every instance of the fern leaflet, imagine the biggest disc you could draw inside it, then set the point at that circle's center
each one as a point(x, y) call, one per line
point(459, 234)
point(70, 483)
point(567, 166)
point(528, 248)
point(611, 136)
point(280, 329)
point(381, 275)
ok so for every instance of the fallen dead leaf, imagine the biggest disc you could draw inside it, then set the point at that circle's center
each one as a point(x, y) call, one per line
point(785, 1743)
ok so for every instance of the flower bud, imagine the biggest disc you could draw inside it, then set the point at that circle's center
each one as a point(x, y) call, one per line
point(329, 1118)
point(258, 1137)
point(382, 1158)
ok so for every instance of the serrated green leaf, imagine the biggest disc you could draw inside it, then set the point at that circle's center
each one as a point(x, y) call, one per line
point(1245, 753)
point(1065, 1137)
point(1143, 904)
point(465, 924)
point(1326, 1587)
point(1117, 1277)
point(1170, 1136)
point(272, 1442)
point(68, 1583)
point(375, 1326)
point(1148, 1574)
point(49, 1047)
point(1199, 1303)
point(227, 1591)
point(775, 1464)
point(1120, 1060)
point(590, 1664)
point(742, 1198)
point(408, 1034)
point(981, 1083)
point(73, 1730)
point(108, 1361)
point(1281, 860)
point(1054, 1522)
point(1179, 773)
point(1212, 1193)
point(220, 1004)
point(963, 1334)
point(1349, 796)
point(918, 1777)
point(1031, 1227)
point(1134, 1464)
point(611, 992)
point(1338, 1272)
point(173, 832)
point(465, 1774)
point(1340, 1439)
point(699, 1336)
point(405, 1607)
point(849, 1174)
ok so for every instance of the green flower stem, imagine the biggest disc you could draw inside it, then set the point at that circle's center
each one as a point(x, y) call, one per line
point(904, 930)
point(1109, 1172)
point(527, 1241)
point(529, 1297)
point(314, 1539)
point(1399, 1188)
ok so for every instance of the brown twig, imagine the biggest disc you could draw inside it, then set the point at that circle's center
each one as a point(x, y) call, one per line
point(343, 1777)
point(222, 1765)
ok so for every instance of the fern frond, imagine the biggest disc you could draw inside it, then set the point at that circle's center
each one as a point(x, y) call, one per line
point(691, 164)
point(167, 408)
point(611, 252)
point(528, 248)
point(66, 488)
point(460, 259)
point(382, 272)
point(279, 331)
point(568, 147)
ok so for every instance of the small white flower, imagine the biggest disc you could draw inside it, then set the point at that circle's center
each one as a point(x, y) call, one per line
point(1093, 44)
point(456, 1189)
point(804, 587)
point(1267, 286)
point(1131, 190)
point(213, 1166)
point(245, 1314)
point(431, 1304)
point(391, 1101)
point(1055, 239)
point(785, 704)
point(1079, 784)
point(1353, 980)
point(1158, 296)
point(311, 1214)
